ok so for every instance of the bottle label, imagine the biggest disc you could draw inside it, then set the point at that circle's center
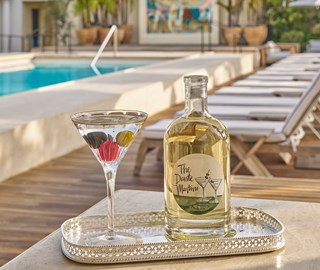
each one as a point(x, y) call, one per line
point(198, 183)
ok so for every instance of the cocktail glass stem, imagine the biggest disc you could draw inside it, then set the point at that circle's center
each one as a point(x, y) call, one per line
point(109, 134)
point(110, 174)
point(215, 196)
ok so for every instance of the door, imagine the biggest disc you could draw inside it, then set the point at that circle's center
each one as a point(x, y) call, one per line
point(35, 27)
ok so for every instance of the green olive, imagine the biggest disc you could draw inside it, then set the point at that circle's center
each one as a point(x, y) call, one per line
point(124, 138)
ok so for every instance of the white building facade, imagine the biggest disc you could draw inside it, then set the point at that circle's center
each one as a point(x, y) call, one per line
point(18, 20)
point(11, 25)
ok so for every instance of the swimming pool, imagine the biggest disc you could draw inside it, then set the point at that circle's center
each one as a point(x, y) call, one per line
point(54, 71)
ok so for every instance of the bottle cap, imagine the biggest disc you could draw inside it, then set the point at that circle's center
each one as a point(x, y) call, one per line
point(196, 79)
point(196, 86)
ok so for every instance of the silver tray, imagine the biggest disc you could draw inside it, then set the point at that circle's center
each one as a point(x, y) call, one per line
point(255, 232)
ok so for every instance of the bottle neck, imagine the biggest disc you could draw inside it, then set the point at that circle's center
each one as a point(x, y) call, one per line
point(196, 101)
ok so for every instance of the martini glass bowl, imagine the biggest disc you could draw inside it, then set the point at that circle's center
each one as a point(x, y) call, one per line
point(109, 133)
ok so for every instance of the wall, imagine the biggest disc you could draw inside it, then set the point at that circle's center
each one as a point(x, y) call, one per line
point(5, 20)
point(27, 13)
point(176, 22)
point(1, 23)
point(16, 21)
point(133, 19)
point(11, 22)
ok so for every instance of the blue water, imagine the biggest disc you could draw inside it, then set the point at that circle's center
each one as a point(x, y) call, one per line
point(52, 72)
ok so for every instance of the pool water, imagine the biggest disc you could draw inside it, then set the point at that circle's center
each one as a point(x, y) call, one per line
point(49, 72)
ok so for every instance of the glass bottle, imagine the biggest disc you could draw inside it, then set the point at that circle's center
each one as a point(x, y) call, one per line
point(196, 169)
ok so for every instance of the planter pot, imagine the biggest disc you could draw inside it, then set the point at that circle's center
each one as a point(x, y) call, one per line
point(87, 36)
point(255, 35)
point(232, 35)
point(103, 32)
point(121, 34)
point(128, 32)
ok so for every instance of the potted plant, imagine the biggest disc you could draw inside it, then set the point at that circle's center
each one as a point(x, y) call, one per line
point(105, 9)
point(88, 34)
point(233, 31)
point(58, 30)
point(256, 32)
point(110, 13)
point(124, 8)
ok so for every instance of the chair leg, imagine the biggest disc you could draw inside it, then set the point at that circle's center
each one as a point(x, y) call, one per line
point(286, 157)
point(143, 150)
point(160, 154)
point(248, 157)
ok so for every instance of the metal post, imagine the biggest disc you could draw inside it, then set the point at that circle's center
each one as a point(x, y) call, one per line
point(202, 38)
point(56, 43)
point(30, 43)
point(43, 40)
point(22, 43)
point(70, 38)
point(9, 43)
point(210, 35)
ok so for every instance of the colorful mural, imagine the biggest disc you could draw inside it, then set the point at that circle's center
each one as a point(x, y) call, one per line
point(174, 16)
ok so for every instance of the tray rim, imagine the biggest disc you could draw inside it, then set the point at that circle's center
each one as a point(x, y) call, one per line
point(151, 258)
point(156, 257)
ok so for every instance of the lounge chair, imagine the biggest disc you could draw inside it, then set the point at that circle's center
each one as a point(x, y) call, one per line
point(248, 112)
point(247, 136)
point(313, 45)
point(270, 72)
point(294, 67)
point(273, 52)
point(257, 83)
point(283, 77)
point(301, 60)
point(239, 100)
point(260, 91)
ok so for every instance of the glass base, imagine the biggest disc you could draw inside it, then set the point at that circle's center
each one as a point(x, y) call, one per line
point(119, 238)
point(192, 234)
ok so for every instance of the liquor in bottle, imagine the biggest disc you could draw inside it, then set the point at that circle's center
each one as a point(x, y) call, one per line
point(197, 169)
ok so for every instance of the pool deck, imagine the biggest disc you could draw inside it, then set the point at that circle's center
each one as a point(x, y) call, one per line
point(35, 126)
point(35, 203)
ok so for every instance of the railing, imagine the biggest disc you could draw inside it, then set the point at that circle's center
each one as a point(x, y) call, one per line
point(237, 41)
point(113, 31)
point(6, 42)
point(209, 36)
point(27, 41)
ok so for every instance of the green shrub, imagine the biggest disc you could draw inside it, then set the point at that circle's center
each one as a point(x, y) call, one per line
point(315, 30)
point(292, 36)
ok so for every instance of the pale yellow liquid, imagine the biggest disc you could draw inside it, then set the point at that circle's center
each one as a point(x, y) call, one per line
point(197, 136)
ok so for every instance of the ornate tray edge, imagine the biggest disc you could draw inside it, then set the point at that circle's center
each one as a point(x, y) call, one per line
point(163, 257)
point(155, 257)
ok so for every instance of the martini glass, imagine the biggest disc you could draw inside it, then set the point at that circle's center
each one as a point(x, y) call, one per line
point(202, 182)
point(215, 183)
point(109, 135)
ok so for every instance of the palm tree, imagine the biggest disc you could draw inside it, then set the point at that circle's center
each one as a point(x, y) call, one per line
point(84, 9)
point(107, 8)
point(57, 10)
point(233, 8)
point(124, 6)
point(256, 8)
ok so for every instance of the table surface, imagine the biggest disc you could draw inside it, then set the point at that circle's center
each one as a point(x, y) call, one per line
point(302, 250)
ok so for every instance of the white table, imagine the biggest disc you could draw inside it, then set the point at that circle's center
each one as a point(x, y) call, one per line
point(302, 250)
